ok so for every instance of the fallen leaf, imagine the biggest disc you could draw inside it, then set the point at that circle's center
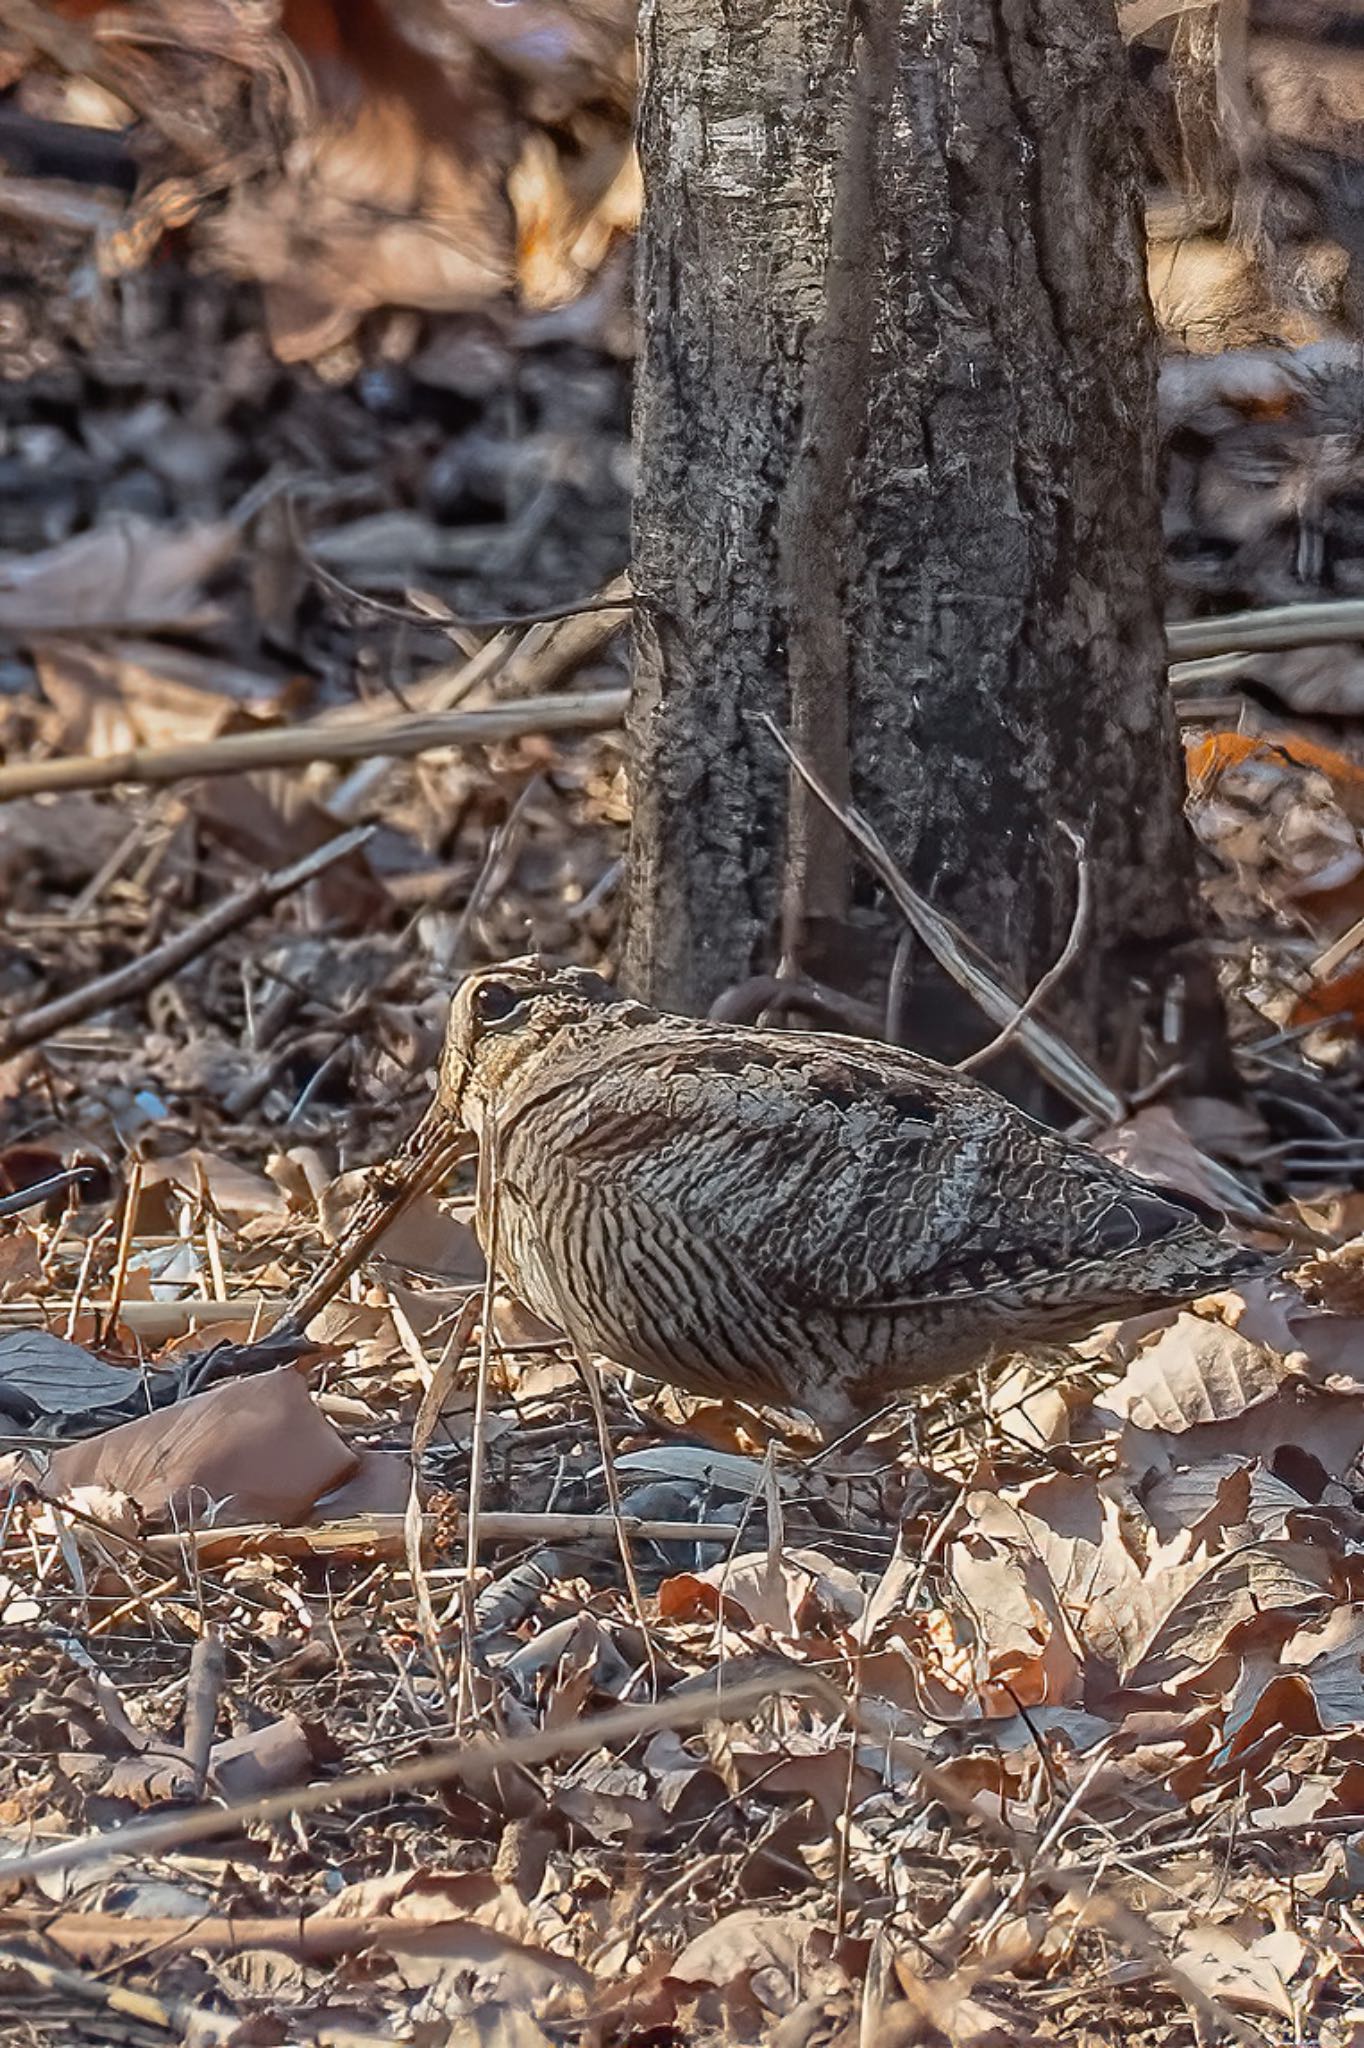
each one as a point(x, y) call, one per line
point(747, 1941)
point(1227, 1969)
point(126, 571)
point(135, 693)
point(43, 1375)
point(254, 1450)
point(795, 1593)
point(1197, 1371)
point(235, 1192)
point(1330, 1661)
point(1155, 1145)
point(1190, 1610)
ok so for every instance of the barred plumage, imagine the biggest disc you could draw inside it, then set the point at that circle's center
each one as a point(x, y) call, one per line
point(808, 1221)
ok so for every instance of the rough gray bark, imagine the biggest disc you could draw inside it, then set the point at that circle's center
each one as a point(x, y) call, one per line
point(895, 422)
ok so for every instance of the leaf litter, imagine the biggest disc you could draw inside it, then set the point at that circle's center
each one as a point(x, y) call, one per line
point(1051, 1731)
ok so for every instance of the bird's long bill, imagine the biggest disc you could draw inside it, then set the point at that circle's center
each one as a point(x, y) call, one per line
point(426, 1160)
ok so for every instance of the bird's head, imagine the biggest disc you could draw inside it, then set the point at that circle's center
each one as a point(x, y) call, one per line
point(503, 1016)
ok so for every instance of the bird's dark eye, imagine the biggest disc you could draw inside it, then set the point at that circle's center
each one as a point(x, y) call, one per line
point(494, 1001)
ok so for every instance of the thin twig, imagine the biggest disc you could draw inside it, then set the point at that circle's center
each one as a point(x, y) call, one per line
point(478, 1759)
point(171, 2016)
point(203, 1690)
point(746, 1001)
point(428, 1415)
point(39, 1191)
point(449, 620)
point(1056, 1060)
point(314, 1936)
point(140, 976)
point(1329, 962)
point(127, 1223)
point(1130, 1928)
point(591, 1379)
point(1079, 924)
point(397, 737)
point(448, 689)
point(382, 1535)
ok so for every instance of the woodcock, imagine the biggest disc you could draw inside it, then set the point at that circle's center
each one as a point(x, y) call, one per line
point(786, 1218)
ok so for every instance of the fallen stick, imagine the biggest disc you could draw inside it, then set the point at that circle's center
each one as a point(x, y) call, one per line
point(382, 1535)
point(1280, 625)
point(37, 203)
point(421, 1166)
point(446, 690)
point(185, 2022)
point(1058, 1062)
point(319, 1937)
point(294, 745)
point(139, 976)
point(477, 1760)
point(525, 667)
point(155, 1322)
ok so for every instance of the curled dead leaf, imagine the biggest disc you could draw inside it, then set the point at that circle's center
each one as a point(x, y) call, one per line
point(796, 1593)
point(1198, 1371)
point(255, 1450)
point(124, 572)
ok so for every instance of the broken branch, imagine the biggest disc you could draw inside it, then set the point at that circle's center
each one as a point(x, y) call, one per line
point(298, 745)
point(139, 976)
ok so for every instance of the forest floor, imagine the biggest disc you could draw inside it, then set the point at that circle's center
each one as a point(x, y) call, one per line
point(1045, 1725)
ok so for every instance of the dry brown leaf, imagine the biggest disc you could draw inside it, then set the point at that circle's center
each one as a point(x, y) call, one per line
point(752, 1941)
point(235, 1192)
point(1305, 1436)
point(459, 1928)
point(1218, 1494)
point(462, 1961)
point(124, 572)
point(1334, 1280)
point(1276, 823)
point(1023, 1651)
point(1178, 1622)
point(375, 211)
point(380, 1485)
point(135, 693)
point(1330, 1661)
point(1248, 1978)
point(1074, 1530)
point(254, 1450)
point(1326, 1340)
point(1155, 1145)
point(1197, 1371)
point(949, 2010)
point(20, 1262)
point(425, 1898)
point(796, 1593)
point(820, 1776)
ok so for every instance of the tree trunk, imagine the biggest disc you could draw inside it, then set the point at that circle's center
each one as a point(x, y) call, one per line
point(895, 417)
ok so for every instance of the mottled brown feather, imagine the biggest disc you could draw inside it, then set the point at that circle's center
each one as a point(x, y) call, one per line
point(811, 1221)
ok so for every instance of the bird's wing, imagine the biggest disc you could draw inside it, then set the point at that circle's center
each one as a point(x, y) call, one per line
point(835, 1177)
